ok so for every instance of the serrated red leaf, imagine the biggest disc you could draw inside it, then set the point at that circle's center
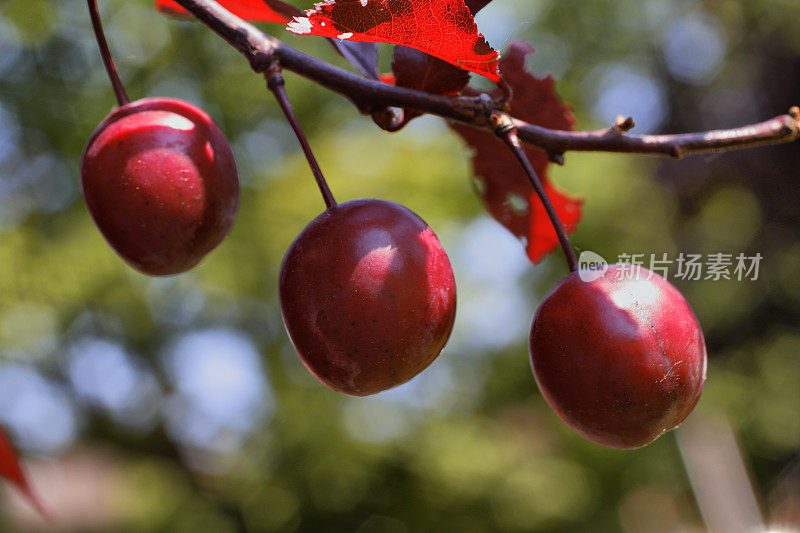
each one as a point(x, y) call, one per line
point(441, 28)
point(253, 10)
point(500, 181)
point(11, 469)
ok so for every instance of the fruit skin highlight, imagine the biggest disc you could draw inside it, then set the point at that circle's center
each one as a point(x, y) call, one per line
point(159, 179)
point(621, 361)
point(367, 295)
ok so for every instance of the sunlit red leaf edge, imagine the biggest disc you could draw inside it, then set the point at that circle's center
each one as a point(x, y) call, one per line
point(418, 70)
point(442, 28)
point(252, 10)
point(11, 469)
point(500, 182)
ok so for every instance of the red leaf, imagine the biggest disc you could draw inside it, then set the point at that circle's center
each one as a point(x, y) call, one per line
point(418, 70)
point(542, 238)
point(441, 28)
point(500, 181)
point(11, 469)
point(253, 10)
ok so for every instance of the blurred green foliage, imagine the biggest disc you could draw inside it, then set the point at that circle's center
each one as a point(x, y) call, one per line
point(469, 445)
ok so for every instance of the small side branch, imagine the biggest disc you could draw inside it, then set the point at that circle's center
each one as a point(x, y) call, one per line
point(782, 129)
point(372, 96)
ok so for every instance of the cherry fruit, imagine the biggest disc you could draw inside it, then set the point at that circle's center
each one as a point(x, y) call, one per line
point(621, 358)
point(159, 179)
point(367, 296)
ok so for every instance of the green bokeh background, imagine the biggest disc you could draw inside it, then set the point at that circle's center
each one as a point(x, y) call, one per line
point(470, 445)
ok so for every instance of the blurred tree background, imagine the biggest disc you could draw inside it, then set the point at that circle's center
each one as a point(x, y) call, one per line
point(178, 404)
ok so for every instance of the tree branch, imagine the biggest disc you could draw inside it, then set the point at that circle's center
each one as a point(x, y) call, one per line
point(371, 96)
point(782, 129)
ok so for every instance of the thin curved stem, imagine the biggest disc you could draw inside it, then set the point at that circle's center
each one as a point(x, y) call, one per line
point(116, 83)
point(276, 84)
point(508, 134)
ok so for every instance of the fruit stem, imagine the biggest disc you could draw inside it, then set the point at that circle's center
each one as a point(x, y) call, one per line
point(506, 131)
point(507, 96)
point(119, 90)
point(276, 84)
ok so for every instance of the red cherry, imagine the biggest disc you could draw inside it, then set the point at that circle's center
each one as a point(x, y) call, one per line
point(367, 295)
point(621, 359)
point(159, 179)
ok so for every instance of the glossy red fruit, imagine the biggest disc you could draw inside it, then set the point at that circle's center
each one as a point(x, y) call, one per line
point(621, 359)
point(367, 295)
point(159, 179)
